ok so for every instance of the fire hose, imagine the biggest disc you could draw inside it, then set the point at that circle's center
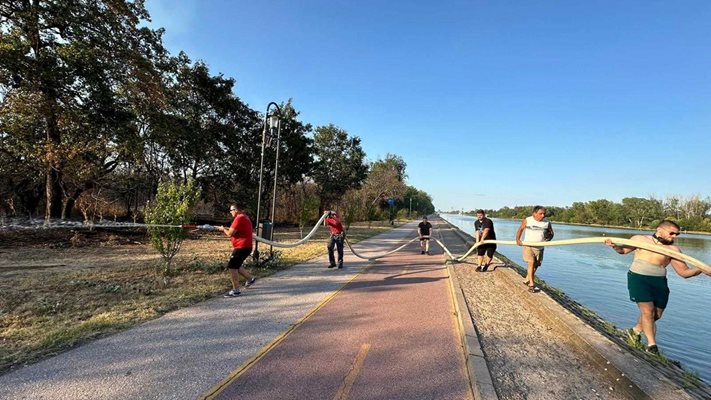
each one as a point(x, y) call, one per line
point(588, 240)
point(567, 242)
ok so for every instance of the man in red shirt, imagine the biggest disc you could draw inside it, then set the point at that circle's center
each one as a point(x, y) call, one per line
point(240, 234)
point(336, 239)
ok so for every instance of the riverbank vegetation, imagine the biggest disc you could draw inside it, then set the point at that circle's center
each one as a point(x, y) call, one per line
point(691, 213)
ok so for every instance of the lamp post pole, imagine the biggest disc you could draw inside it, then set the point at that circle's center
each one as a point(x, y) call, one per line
point(274, 120)
point(255, 255)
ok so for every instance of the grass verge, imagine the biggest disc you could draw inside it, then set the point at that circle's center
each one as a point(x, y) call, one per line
point(44, 311)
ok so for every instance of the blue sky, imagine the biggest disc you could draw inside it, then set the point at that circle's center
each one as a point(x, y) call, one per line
point(490, 103)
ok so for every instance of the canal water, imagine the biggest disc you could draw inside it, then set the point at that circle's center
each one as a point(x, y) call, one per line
point(595, 276)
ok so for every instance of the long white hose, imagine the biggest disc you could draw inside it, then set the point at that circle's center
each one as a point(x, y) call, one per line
point(567, 242)
point(446, 250)
point(373, 258)
point(313, 232)
point(297, 243)
point(618, 241)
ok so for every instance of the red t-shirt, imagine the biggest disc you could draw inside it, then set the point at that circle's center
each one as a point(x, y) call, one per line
point(334, 225)
point(241, 232)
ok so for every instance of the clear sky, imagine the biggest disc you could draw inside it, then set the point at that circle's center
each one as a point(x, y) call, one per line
point(491, 103)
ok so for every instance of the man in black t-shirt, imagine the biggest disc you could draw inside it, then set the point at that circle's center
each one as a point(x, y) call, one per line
point(424, 230)
point(484, 230)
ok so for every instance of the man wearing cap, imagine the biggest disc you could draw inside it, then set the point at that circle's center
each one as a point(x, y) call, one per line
point(335, 240)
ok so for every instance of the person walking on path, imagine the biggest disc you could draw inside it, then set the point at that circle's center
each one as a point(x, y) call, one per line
point(538, 229)
point(647, 280)
point(484, 230)
point(424, 231)
point(240, 234)
point(335, 240)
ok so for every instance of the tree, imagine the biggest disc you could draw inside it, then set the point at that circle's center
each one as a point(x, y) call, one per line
point(77, 60)
point(638, 210)
point(295, 153)
point(171, 208)
point(201, 132)
point(309, 206)
point(601, 211)
point(339, 164)
point(695, 207)
point(385, 180)
point(421, 202)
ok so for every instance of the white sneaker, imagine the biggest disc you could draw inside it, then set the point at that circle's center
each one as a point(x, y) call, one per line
point(233, 293)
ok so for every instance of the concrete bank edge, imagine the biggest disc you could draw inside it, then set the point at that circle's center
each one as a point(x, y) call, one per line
point(477, 368)
point(479, 375)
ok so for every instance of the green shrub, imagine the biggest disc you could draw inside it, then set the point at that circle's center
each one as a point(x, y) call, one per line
point(165, 216)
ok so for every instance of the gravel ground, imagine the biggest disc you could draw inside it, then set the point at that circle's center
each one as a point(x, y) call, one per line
point(527, 358)
point(542, 347)
point(527, 355)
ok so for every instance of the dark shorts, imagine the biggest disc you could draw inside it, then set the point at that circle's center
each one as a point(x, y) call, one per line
point(237, 258)
point(487, 249)
point(648, 289)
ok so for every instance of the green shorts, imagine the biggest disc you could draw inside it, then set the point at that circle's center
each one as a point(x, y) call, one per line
point(645, 288)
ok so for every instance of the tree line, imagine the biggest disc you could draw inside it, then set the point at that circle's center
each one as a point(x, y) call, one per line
point(95, 112)
point(691, 213)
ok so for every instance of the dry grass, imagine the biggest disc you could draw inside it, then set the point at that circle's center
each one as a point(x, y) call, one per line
point(54, 298)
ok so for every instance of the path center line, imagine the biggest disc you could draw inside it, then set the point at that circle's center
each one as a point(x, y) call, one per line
point(345, 388)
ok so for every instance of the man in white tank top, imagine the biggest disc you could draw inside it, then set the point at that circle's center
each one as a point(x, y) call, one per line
point(535, 227)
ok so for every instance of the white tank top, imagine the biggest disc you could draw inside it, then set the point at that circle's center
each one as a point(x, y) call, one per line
point(534, 230)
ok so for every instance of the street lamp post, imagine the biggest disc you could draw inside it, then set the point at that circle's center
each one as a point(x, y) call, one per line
point(255, 255)
point(274, 121)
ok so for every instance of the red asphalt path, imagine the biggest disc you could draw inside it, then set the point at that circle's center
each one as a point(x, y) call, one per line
point(389, 334)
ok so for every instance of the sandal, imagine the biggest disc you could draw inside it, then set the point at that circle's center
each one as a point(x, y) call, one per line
point(533, 289)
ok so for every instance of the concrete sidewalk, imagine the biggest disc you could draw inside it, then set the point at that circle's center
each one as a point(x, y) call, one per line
point(185, 353)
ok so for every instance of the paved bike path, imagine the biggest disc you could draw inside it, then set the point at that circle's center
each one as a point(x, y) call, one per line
point(389, 334)
point(185, 353)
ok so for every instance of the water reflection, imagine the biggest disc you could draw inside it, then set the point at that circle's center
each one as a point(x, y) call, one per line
point(595, 276)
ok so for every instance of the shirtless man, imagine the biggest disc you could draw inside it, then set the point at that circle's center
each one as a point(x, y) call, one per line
point(647, 279)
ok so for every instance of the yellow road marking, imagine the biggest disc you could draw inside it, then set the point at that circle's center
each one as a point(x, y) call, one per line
point(218, 388)
point(345, 389)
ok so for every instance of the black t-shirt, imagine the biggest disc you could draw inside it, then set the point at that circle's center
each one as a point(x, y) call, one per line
point(486, 223)
point(425, 228)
